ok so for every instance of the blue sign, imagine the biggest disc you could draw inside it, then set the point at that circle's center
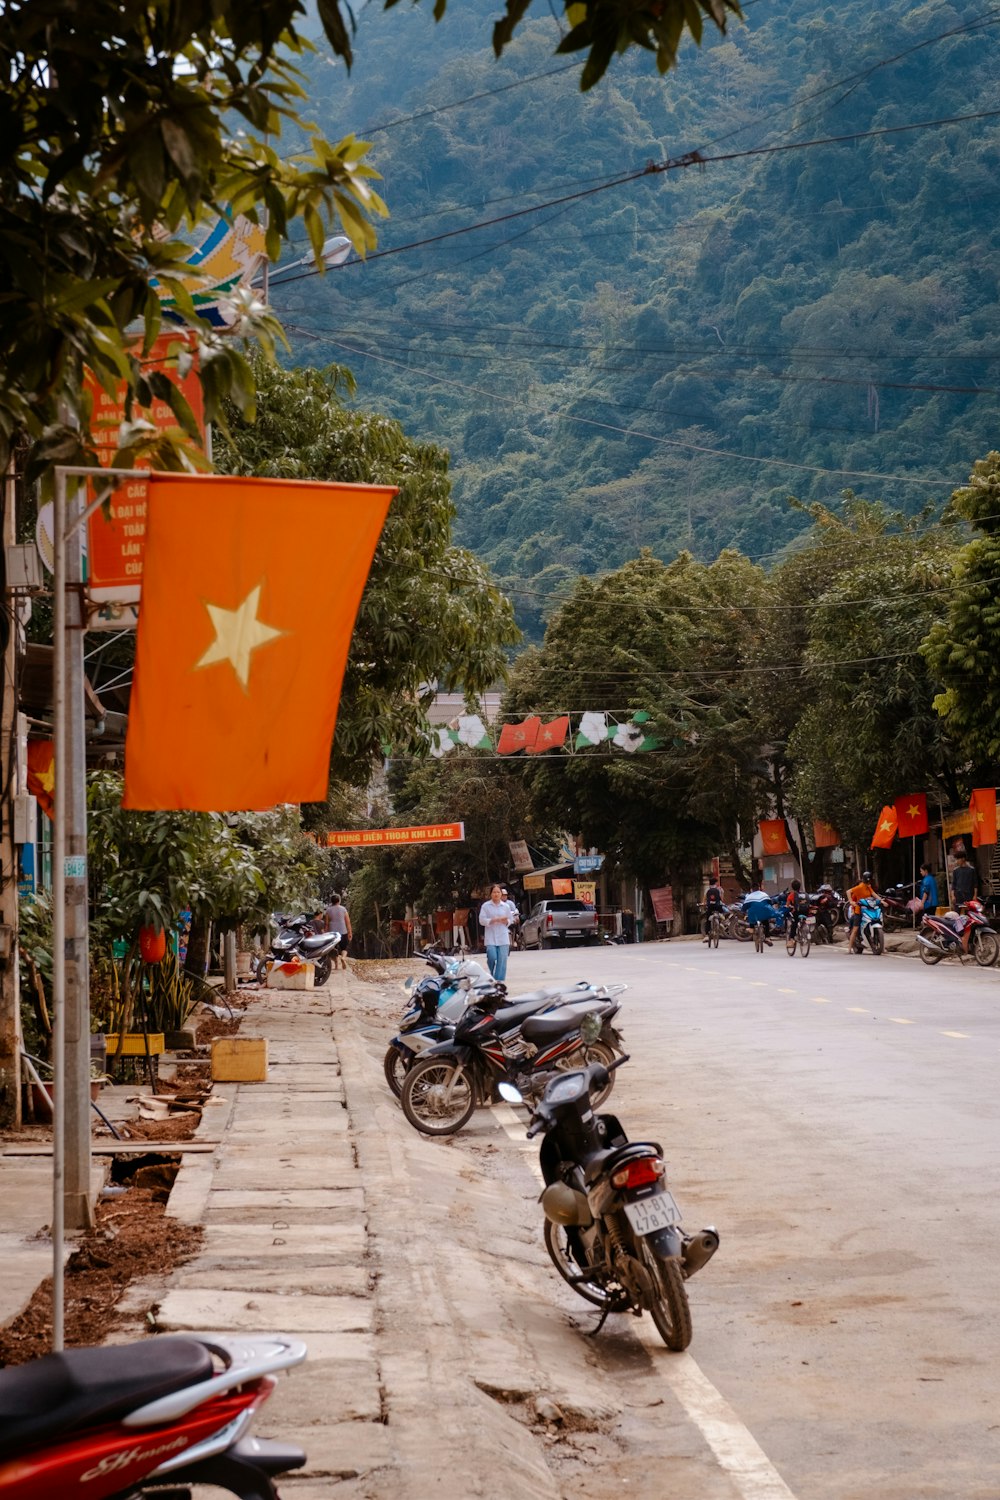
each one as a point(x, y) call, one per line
point(586, 864)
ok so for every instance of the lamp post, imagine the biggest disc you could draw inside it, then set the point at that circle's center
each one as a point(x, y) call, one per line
point(335, 252)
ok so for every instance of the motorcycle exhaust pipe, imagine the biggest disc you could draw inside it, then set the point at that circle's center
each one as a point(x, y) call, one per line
point(934, 946)
point(698, 1250)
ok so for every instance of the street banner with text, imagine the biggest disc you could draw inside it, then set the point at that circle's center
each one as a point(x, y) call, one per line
point(382, 838)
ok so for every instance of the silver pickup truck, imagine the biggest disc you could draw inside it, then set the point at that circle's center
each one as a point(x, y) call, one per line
point(558, 921)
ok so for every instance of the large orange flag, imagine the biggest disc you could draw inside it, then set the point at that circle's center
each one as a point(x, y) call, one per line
point(243, 636)
point(885, 829)
point(773, 836)
point(983, 807)
point(825, 836)
point(42, 774)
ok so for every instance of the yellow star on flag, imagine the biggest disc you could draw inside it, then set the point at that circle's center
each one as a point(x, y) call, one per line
point(885, 826)
point(913, 811)
point(238, 634)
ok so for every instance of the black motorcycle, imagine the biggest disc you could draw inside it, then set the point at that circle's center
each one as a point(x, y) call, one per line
point(612, 1228)
point(494, 1043)
point(297, 938)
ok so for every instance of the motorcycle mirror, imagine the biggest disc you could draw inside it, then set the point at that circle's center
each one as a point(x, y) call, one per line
point(508, 1092)
point(408, 982)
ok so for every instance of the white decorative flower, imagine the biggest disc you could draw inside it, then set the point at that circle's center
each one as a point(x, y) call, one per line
point(441, 743)
point(472, 731)
point(628, 737)
point(593, 727)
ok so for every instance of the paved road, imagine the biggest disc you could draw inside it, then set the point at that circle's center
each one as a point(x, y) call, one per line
point(837, 1118)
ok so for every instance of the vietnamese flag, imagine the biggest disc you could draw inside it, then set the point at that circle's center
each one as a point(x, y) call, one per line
point(773, 836)
point(885, 829)
point(911, 815)
point(243, 639)
point(42, 774)
point(550, 736)
point(825, 836)
point(983, 807)
point(515, 737)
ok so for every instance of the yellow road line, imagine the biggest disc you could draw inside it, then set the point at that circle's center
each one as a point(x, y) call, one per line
point(758, 984)
point(859, 1010)
point(819, 1000)
point(900, 1021)
point(962, 1035)
point(787, 992)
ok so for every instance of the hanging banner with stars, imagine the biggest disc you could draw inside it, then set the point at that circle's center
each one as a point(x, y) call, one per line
point(241, 646)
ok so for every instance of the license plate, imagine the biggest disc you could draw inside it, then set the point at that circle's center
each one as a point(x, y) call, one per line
point(650, 1214)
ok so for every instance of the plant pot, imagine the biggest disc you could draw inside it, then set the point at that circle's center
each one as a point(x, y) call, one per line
point(244, 963)
point(134, 1044)
point(180, 1041)
point(40, 1108)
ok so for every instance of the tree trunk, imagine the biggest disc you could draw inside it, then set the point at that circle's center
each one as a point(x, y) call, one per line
point(196, 959)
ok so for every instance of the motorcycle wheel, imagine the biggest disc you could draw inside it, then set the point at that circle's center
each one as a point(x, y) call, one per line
point(557, 1243)
point(322, 970)
point(876, 941)
point(930, 955)
point(986, 947)
point(739, 928)
point(669, 1308)
point(261, 972)
point(424, 1099)
point(395, 1071)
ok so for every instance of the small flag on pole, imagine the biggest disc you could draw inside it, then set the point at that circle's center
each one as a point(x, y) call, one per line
point(885, 829)
point(983, 807)
point(773, 836)
point(911, 815)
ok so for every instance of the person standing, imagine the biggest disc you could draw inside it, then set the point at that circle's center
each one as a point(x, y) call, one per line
point(495, 919)
point(515, 916)
point(338, 919)
point(964, 880)
point(927, 892)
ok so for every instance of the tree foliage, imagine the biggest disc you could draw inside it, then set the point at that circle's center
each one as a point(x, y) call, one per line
point(963, 648)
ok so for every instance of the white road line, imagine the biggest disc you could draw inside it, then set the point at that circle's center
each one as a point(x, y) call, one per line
point(962, 1035)
point(859, 1010)
point(736, 1450)
point(901, 1021)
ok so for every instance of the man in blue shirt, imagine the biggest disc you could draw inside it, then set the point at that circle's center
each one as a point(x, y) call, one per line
point(928, 891)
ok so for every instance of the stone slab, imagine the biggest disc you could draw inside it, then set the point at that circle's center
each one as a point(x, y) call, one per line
point(334, 1241)
point(257, 1274)
point(262, 1312)
point(346, 1450)
point(238, 1199)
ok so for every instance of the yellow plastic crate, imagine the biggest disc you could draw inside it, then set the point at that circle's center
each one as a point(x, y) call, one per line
point(134, 1044)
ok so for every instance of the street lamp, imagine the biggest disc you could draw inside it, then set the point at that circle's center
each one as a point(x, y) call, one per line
point(334, 253)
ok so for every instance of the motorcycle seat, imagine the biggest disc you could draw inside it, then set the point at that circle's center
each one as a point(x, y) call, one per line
point(603, 1162)
point(552, 1023)
point(513, 1015)
point(319, 942)
point(61, 1393)
point(532, 997)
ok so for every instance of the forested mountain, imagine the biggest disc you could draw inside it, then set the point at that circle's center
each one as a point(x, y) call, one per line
point(831, 306)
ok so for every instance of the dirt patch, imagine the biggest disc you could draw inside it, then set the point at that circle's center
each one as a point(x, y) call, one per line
point(386, 970)
point(210, 1026)
point(132, 1239)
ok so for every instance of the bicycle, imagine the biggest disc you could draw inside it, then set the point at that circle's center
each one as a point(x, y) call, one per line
point(717, 928)
point(801, 937)
point(758, 936)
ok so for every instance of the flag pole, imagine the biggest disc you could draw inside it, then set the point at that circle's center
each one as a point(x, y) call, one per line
point(913, 888)
point(944, 855)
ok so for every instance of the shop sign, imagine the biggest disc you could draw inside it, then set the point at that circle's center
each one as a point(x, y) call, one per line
point(521, 855)
point(534, 882)
point(663, 903)
point(586, 891)
point(586, 864)
point(387, 838)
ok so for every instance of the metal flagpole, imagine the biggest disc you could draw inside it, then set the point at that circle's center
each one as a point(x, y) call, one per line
point(71, 1205)
point(913, 889)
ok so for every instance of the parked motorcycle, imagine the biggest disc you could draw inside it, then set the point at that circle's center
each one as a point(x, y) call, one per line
point(612, 1227)
point(872, 930)
point(493, 1043)
point(897, 911)
point(955, 935)
point(298, 939)
point(154, 1418)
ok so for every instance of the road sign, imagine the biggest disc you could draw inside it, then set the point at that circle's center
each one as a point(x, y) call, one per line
point(375, 838)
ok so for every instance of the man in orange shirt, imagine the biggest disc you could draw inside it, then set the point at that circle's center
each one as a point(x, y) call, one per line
point(855, 896)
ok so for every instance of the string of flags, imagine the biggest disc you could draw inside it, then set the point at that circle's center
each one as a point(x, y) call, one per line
point(907, 817)
point(535, 736)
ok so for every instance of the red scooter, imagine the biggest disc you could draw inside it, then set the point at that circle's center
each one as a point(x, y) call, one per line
point(148, 1419)
point(963, 936)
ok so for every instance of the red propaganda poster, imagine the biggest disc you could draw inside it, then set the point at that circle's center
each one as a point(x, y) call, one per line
point(116, 541)
point(663, 903)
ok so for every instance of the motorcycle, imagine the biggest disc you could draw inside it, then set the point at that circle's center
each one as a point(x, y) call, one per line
point(612, 1227)
point(871, 930)
point(494, 1043)
point(298, 939)
point(959, 936)
point(154, 1418)
point(898, 908)
point(436, 1003)
point(826, 911)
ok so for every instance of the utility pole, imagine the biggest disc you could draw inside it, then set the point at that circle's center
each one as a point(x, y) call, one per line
point(10, 1000)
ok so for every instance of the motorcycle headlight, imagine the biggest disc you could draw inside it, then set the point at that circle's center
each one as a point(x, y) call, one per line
point(590, 1027)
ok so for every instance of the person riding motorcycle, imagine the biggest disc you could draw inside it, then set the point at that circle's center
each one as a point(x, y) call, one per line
point(855, 896)
point(715, 901)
